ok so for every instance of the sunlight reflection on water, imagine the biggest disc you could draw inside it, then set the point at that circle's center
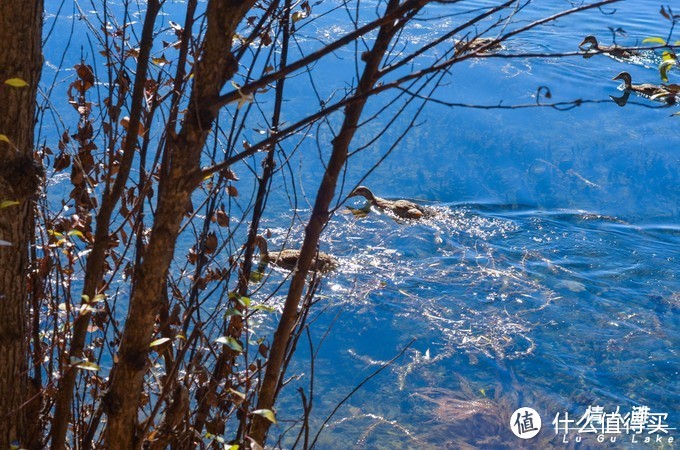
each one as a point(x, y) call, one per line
point(543, 297)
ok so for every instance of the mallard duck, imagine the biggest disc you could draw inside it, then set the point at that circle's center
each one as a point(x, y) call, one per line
point(613, 50)
point(463, 47)
point(653, 91)
point(288, 258)
point(401, 208)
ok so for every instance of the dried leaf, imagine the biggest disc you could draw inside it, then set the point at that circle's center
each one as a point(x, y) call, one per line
point(160, 61)
point(211, 242)
point(125, 122)
point(86, 74)
point(222, 218)
point(62, 161)
point(664, 13)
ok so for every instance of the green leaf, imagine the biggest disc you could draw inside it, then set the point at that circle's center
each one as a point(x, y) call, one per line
point(86, 309)
point(654, 40)
point(4, 138)
point(233, 447)
point(245, 301)
point(240, 395)
point(267, 414)
point(264, 308)
point(232, 312)
point(160, 341)
point(88, 365)
point(214, 437)
point(256, 276)
point(8, 203)
point(230, 342)
point(16, 82)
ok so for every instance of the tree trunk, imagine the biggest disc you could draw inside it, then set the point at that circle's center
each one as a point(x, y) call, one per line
point(320, 216)
point(21, 58)
point(180, 176)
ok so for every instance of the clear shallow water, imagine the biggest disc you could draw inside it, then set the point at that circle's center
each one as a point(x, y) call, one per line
point(550, 277)
point(559, 309)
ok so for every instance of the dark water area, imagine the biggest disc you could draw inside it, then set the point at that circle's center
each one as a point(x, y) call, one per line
point(549, 277)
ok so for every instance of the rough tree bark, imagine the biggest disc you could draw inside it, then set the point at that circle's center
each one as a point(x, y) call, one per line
point(20, 57)
point(180, 176)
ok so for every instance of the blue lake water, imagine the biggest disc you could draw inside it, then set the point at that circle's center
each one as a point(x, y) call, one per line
point(549, 277)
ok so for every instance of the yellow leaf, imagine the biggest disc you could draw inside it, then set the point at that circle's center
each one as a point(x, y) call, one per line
point(158, 342)
point(16, 82)
point(8, 203)
point(266, 413)
point(668, 56)
point(654, 40)
point(663, 69)
point(4, 138)
point(298, 15)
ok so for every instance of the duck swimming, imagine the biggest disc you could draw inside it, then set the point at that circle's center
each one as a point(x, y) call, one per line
point(463, 47)
point(403, 209)
point(288, 258)
point(653, 91)
point(613, 50)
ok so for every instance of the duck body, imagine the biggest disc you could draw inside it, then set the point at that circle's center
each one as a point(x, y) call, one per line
point(288, 258)
point(653, 91)
point(613, 50)
point(403, 209)
point(475, 44)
